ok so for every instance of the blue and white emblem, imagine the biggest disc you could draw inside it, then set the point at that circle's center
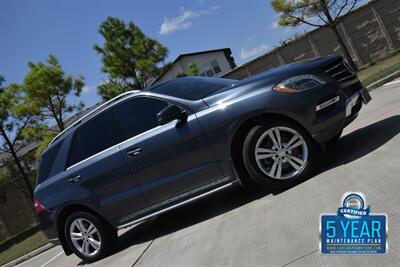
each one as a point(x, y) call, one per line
point(353, 229)
point(353, 206)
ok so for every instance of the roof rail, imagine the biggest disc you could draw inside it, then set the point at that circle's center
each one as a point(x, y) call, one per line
point(99, 107)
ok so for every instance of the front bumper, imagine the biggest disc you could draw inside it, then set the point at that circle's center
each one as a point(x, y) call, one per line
point(336, 112)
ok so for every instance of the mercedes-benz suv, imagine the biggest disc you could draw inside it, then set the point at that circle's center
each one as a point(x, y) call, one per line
point(144, 153)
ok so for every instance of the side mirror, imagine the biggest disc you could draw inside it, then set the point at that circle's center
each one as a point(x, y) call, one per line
point(170, 113)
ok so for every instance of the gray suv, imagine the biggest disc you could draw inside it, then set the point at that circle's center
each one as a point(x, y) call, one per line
point(144, 153)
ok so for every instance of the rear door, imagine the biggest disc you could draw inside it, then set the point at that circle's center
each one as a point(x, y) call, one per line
point(166, 160)
point(98, 173)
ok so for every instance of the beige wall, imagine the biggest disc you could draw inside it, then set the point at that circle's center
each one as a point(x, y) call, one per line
point(183, 64)
point(369, 33)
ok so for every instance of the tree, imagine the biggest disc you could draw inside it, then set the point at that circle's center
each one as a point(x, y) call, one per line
point(316, 13)
point(129, 57)
point(15, 130)
point(193, 71)
point(47, 89)
point(111, 89)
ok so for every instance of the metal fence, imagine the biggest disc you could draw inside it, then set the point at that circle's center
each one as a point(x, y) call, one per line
point(16, 210)
point(16, 215)
point(370, 32)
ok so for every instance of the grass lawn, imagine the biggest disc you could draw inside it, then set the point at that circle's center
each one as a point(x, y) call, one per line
point(25, 246)
point(374, 72)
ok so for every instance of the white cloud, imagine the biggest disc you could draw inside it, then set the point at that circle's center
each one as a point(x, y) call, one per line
point(183, 20)
point(87, 89)
point(249, 53)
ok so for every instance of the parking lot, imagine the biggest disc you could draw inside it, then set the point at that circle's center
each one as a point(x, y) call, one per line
point(258, 228)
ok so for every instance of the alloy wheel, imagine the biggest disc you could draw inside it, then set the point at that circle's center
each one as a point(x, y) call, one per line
point(85, 237)
point(281, 153)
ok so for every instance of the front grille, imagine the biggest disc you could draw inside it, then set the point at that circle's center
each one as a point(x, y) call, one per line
point(341, 72)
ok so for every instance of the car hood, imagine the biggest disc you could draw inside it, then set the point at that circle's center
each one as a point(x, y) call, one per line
point(268, 79)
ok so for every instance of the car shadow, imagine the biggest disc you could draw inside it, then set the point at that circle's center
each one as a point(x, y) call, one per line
point(359, 143)
point(350, 147)
point(194, 213)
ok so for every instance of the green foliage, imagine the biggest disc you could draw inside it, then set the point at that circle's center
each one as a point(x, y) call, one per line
point(16, 125)
point(193, 71)
point(129, 57)
point(47, 89)
point(316, 13)
point(17, 129)
point(312, 12)
point(111, 89)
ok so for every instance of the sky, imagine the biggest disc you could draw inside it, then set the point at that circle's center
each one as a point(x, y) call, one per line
point(31, 30)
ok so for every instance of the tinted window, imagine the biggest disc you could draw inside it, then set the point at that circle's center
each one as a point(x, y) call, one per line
point(91, 138)
point(47, 161)
point(192, 88)
point(137, 115)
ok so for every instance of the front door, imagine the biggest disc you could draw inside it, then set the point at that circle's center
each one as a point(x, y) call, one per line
point(166, 160)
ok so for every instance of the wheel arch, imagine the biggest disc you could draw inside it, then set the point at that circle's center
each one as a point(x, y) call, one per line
point(63, 215)
point(240, 134)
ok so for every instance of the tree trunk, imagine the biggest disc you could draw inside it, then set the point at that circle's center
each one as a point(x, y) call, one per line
point(344, 47)
point(60, 124)
point(17, 162)
point(332, 24)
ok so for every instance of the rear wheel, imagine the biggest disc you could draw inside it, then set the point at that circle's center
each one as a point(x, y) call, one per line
point(89, 237)
point(279, 153)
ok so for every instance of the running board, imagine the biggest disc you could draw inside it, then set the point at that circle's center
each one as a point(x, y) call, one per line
point(174, 206)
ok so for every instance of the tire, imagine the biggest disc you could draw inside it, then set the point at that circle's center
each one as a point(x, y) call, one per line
point(261, 168)
point(105, 236)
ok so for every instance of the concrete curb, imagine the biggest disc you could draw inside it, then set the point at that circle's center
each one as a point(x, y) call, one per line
point(384, 80)
point(29, 255)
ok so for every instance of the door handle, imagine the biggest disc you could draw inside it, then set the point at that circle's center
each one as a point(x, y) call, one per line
point(74, 179)
point(133, 152)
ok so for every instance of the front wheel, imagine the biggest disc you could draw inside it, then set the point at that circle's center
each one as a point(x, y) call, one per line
point(279, 153)
point(89, 237)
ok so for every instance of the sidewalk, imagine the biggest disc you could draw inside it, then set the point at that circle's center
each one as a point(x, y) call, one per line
point(29, 255)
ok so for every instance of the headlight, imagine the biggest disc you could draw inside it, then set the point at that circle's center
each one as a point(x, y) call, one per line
point(299, 83)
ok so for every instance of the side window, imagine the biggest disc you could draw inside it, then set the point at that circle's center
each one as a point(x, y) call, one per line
point(215, 66)
point(137, 115)
point(210, 69)
point(90, 139)
point(47, 161)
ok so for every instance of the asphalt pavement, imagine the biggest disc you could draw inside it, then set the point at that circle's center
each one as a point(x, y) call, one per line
point(258, 228)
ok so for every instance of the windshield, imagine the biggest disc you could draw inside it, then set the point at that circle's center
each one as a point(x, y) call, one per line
point(192, 88)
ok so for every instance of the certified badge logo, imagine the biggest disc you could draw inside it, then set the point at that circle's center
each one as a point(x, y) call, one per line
point(353, 229)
